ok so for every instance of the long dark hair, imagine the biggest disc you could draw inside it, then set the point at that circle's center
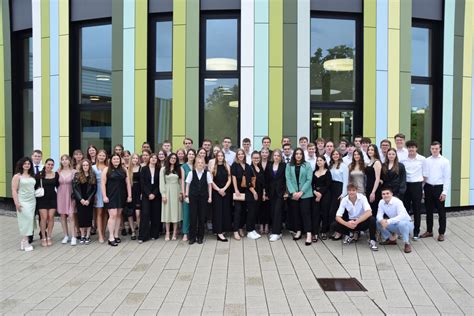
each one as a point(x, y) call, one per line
point(293, 160)
point(376, 151)
point(21, 162)
point(42, 173)
point(111, 166)
point(325, 162)
point(396, 165)
point(81, 176)
point(176, 168)
point(333, 162)
point(361, 162)
point(96, 152)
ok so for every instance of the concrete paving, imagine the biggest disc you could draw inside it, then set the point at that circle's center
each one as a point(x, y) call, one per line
point(244, 277)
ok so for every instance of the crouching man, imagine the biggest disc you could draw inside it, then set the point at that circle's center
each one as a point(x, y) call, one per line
point(393, 219)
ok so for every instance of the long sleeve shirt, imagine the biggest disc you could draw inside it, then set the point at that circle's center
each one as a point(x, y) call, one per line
point(414, 168)
point(437, 171)
point(341, 175)
point(394, 209)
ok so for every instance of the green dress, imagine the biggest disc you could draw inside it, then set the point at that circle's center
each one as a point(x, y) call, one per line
point(187, 169)
point(170, 187)
point(27, 199)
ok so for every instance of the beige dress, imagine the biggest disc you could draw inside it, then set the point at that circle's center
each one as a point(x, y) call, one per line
point(170, 188)
point(357, 178)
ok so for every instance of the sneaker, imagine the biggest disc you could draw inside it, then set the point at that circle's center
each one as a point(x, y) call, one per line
point(28, 247)
point(87, 240)
point(253, 235)
point(82, 240)
point(373, 245)
point(275, 237)
point(140, 241)
point(65, 240)
point(348, 238)
point(415, 238)
point(73, 241)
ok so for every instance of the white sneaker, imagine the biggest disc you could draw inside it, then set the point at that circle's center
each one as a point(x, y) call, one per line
point(65, 240)
point(274, 237)
point(373, 245)
point(257, 234)
point(253, 235)
point(73, 241)
point(28, 247)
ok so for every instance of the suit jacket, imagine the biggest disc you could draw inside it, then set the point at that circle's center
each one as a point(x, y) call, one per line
point(305, 179)
point(275, 187)
point(146, 185)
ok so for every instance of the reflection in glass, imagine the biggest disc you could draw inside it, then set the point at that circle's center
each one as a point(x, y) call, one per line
point(221, 109)
point(420, 52)
point(27, 113)
point(96, 129)
point(162, 109)
point(331, 124)
point(221, 44)
point(164, 46)
point(96, 64)
point(421, 116)
point(333, 59)
point(28, 59)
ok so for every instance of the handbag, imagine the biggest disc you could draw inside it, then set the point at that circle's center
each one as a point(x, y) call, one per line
point(238, 198)
point(40, 191)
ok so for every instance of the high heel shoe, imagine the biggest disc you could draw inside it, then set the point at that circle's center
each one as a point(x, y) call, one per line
point(237, 236)
point(222, 239)
point(167, 236)
point(113, 243)
point(44, 243)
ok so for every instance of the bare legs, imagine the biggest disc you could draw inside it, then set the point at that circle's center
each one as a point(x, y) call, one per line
point(100, 223)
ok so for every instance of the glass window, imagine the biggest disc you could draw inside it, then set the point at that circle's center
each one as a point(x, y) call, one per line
point(164, 46)
point(421, 53)
point(162, 111)
point(221, 108)
point(96, 64)
point(221, 44)
point(421, 116)
point(28, 59)
point(27, 111)
point(333, 60)
point(96, 129)
point(332, 124)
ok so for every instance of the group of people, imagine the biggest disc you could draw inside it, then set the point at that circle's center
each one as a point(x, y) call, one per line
point(316, 191)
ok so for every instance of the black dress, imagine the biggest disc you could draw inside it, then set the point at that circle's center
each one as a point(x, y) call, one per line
point(320, 210)
point(87, 192)
point(261, 214)
point(116, 189)
point(221, 213)
point(49, 199)
point(369, 186)
point(397, 181)
point(240, 207)
point(136, 190)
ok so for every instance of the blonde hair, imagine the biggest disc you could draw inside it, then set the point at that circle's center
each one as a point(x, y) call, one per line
point(61, 165)
point(130, 167)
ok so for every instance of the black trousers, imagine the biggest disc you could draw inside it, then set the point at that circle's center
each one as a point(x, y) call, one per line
point(412, 202)
point(369, 223)
point(198, 208)
point(301, 211)
point(150, 219)
point(84, 215)
point(263, 216)
point(240, 207)
point(432, 202)
point(253, 211)
point(336, 191)
point(276, 207)
point(320, 214)
point(221, 212)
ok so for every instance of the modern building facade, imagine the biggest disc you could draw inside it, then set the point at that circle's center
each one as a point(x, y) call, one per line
point(79, 72)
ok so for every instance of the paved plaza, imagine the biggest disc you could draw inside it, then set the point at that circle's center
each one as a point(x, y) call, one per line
point(236, 278)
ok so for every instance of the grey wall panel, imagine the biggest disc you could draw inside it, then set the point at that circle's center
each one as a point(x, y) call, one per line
point(352, 6)
point(160, 6)
point(427, 9)
point(220, 4)
point(21, 15)
point(90, 9)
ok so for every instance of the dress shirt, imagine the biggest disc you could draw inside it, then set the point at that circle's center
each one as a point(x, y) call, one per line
point(382, 156)
point(341, 175)
point(402, 154)
point(229, 157)
point(355, 210)
point(189, 177)
point(328, 158)
point(347, 160)
point(437, 171)
point(414, 168)
point(248, 157)
point(394, 209)
point(366, 157)
point(286, 159)
point(312, 161)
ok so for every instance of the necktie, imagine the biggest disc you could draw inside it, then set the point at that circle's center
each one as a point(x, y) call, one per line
point(36, 169)
point(287, 160)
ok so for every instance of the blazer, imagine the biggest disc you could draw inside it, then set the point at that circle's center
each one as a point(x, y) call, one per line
point(146, 185)
point(275, 187)
point(305, 179)
point(396, 181)
point(77, 193)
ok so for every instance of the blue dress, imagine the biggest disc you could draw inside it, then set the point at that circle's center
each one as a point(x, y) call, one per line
point(99, 202)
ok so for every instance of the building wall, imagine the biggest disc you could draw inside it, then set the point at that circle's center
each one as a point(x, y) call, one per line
point(275, 85)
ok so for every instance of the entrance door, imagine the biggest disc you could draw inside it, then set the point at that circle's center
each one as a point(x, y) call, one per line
point(332, 124)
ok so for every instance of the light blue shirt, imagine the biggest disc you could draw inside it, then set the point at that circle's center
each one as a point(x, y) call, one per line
point(341, 175)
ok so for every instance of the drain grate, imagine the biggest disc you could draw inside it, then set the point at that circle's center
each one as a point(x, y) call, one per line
point(340, 284)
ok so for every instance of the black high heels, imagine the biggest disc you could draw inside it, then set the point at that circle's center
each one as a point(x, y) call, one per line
point(222, 239)
point(113, 243)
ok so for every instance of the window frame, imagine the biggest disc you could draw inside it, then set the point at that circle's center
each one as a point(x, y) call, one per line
point(154, 75)
point(436, 78)
point(217, 74)
point(356, 106)
point(76, 107)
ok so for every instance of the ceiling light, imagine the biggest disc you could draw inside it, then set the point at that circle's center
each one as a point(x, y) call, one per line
point(339, 64)
point(94, 98)
point(102, 77)
point(320, 91)
point(336, 119)
point(234, 104)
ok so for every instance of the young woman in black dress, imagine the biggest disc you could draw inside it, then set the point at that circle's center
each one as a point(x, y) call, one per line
point(116, 190)
point(264, 215)
point(321, 184)
point(150, 217)
point(373, 172)
point(259, 174)
point(221, 196)
point(84, 188)
point(47, 204)
point(394, 174)
point(134, 170)
point(275, 188)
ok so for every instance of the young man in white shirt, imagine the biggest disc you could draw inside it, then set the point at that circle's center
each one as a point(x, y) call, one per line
point(343, 146)
point(246, 143)
point(402, 152)
point(437, 176)
point(414, 180)
point(398, 221)
point(311, 158)
point(166, 147)
point(303, 142)
point(347, 159)
point(229, 154)
point(354, 214)
point(364, 145)
point(207, 145)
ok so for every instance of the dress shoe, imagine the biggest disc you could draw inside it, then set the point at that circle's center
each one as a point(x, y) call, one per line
point(441, 237)
point(426, 235)
point(199, 241)
point(113, 243)
point(407, 248)
point(222, 239)
point(191, 241)
point(388, 242)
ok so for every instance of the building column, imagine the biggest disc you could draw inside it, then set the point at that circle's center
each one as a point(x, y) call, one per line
point(64, 77)
point(290, 62)
point(141, 61)
point(381, 94)
point(128, 74)
point(54, 79)
point(192, 72)
point(247, 46)
point(370, 72)
point(303, 66)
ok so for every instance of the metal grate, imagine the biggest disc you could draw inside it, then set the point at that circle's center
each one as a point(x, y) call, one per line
point(341, 284)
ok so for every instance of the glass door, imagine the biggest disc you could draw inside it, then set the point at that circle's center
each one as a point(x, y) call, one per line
point(332, 124)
